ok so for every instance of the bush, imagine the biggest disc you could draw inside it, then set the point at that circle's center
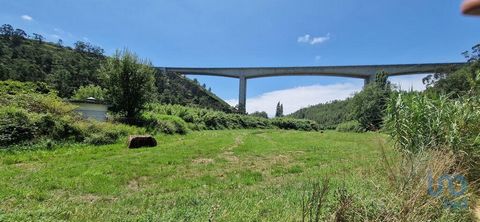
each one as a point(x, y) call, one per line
point(32, 113)
point(15, 126)
point(350, 126)
point(58, 128)
point(368, 106)
point(200, 119)
point(164, 123)
point(33, 97)
point(262, 114)
point(295, 124)
point(100, 133)
point(130, 81)
point(15, 87)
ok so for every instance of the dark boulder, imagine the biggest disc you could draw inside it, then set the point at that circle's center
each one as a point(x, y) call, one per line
point(137, 141)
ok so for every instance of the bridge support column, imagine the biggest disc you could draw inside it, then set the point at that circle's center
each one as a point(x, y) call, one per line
point(369, 80)
point(242, 96)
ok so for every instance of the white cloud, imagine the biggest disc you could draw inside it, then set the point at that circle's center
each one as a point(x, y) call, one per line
point(27, 18)
point(296, 98)
point(318, 58)
point(313, 40)
point(409, 82)
point(304, 39)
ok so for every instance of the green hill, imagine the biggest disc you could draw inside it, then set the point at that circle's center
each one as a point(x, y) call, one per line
point(65, 68)
point(327, 115)
point(174, 88)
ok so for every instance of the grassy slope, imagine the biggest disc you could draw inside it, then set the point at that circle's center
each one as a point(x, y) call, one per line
point(226, 175)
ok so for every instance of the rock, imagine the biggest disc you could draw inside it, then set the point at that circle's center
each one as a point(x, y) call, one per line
point(137, 141)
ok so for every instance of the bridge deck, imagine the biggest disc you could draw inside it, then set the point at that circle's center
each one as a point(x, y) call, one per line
point(362, 71)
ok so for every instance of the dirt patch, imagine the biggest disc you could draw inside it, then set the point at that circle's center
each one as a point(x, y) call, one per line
point(89, 198)
point(28, 166)
point(202, 161)
point(230, 157)
point(237, 142)
point(281, 159)
point(137, 183)
point(228, 154)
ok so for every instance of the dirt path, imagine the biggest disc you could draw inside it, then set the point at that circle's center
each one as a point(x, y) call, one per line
point(228, 153)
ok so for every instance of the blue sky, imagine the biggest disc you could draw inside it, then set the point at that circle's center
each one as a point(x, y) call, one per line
point(214, 33)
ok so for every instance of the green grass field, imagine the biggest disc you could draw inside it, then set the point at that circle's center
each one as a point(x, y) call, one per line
point(237, 175)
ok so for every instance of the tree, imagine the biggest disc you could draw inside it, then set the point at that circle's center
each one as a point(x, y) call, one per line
point(38, 38)
point(279, 110)
point(130, 82)
point(18, 36)
point(368, 106)
point(60, 79)
point(20, 33)
point(262, 114)
point(6, 30)
point(456, 83)
point(85, 92)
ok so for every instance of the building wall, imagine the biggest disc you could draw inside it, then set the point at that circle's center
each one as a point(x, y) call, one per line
point(91, 110)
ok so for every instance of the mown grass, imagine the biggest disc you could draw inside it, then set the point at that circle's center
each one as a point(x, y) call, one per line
point(236, 175)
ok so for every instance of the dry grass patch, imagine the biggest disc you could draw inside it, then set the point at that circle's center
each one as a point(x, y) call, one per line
point(202, 161)
point(137, 183)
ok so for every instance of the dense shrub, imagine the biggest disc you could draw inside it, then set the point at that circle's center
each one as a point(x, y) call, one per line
point(417, 122)
point(15, 126)
point(368, 106)
point(295, 124)
point(58, 127)
point(200, 119)
point(99, 133)
point(30, 112)
point(164, 123)
point(262, 114)
point(350, 126)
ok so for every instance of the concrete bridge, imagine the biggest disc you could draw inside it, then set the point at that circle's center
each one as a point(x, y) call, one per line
point(366, 72)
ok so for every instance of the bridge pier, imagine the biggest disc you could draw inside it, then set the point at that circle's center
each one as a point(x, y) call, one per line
point(369, 80)
point(242, 95)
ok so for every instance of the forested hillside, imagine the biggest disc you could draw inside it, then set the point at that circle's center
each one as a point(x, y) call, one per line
point(177, 89)
point(328, 115)
point(64, 68)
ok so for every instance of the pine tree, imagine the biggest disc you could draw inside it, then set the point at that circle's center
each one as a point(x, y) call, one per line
point(279, 110)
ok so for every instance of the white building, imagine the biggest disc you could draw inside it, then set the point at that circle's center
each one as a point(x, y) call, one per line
point(91, 108)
